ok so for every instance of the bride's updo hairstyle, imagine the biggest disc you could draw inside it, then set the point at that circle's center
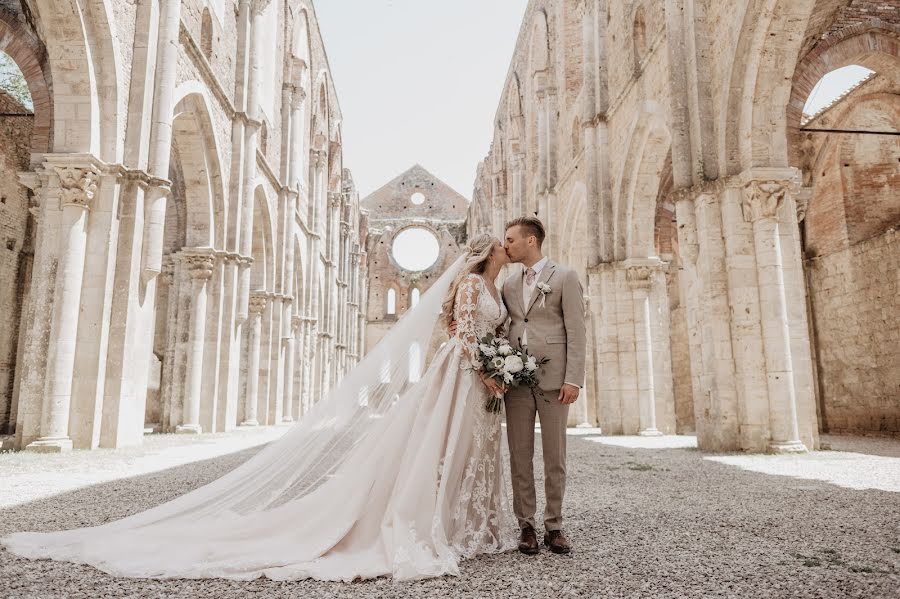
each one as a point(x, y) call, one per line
point(478, 250)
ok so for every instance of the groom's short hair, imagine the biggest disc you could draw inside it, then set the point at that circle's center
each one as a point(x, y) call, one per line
point(532, 225)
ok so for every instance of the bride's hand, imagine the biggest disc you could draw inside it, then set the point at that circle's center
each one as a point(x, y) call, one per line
point(493, 386)
point(451, 328)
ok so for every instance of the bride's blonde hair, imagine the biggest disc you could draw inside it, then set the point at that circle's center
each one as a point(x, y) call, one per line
point(478, 250)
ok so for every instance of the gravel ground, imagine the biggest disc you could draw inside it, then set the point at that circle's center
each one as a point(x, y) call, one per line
point(647, 518)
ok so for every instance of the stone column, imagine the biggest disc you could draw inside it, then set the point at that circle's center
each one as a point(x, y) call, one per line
point(256, 308)
point(517, 162)
point(77, 187)
point(201, 264)
point(762, 199)
point(640, 280)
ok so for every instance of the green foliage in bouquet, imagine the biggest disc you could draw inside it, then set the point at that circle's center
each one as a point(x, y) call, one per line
point(507, 365)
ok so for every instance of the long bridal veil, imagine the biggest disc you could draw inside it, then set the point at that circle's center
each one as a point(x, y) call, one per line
point(237, 510)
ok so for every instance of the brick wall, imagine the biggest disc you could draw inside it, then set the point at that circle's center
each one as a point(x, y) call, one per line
point(15, 146)
point(856, 309)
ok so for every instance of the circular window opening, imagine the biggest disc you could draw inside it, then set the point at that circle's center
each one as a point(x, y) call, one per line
point(415, 248)
point(417, 198)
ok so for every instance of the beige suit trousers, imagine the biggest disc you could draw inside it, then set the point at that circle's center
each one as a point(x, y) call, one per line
point(521, 408)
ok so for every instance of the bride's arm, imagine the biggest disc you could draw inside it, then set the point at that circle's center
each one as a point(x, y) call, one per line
point(466, 307)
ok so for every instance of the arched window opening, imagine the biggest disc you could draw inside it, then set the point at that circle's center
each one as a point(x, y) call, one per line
point(831, 88)
point(640, 38)
point(392, 302)
point(263, 137)
point(414, 297)
point(12, 81)
point(206, 34)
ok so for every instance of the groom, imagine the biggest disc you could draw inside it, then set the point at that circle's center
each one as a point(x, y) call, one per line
point(546, 313)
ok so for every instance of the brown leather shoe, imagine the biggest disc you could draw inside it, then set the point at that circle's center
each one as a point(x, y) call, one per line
point(556, 541)
point(528, 543)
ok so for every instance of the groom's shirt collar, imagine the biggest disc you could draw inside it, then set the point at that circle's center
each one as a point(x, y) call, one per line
point(538, 266)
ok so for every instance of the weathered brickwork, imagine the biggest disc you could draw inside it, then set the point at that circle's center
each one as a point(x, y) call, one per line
point(391, 210)
point(15, 144)
point(856, 302)
point(682, 199)
point(194, 271)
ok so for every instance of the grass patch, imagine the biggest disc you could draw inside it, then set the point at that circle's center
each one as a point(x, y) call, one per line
point(895, 549)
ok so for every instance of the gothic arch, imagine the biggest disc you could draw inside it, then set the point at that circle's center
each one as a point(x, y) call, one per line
point(30, 56)
point(872, 46)
point(753, 124)
point(262, 270)
point(199, 160)
point(635, 209)
point(84, 61)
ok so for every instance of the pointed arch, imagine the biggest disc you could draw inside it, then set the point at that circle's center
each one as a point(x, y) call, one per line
point(200, 162)
point(638, 191)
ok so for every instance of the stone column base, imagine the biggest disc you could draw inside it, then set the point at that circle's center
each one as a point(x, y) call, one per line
point(787, 447)
point(249, 423)
point(188, 429)
point(52, 445)
point(650, 432)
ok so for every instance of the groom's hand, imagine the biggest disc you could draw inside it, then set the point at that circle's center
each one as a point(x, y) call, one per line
point(568, 394)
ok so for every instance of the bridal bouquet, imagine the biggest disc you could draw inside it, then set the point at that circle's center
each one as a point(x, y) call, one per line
point(507, 365)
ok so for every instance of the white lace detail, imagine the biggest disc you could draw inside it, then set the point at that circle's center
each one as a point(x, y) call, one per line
point(386, 477)
point(476, 314)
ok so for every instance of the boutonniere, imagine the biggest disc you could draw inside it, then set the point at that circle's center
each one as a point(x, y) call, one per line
point(544, 288)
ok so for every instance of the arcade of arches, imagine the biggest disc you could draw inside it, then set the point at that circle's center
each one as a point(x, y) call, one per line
point(739, 258)
point(183, 249)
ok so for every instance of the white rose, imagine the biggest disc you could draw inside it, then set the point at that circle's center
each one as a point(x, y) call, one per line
point(498, 363)
point(513, 364)
point(507, 378)
point(487, 350)
point(531, 364)
point(504, 350)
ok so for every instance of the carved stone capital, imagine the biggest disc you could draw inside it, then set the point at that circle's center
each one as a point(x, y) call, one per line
point(258, 7)
point(298, 95)
point(200, 264)
point(762, 199)
point(296, 321)
point(258, 302)
point(639, 277)
point(319, 158)
point(77, 185)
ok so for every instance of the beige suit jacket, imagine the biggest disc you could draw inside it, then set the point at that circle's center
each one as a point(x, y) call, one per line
point(556, 327)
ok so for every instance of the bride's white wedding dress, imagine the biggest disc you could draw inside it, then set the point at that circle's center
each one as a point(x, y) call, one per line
point(384, 477)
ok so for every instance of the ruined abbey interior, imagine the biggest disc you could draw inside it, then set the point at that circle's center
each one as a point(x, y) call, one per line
point(184, 249)
point(740, 259)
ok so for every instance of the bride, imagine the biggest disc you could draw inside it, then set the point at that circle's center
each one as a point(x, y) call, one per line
point(387, 475)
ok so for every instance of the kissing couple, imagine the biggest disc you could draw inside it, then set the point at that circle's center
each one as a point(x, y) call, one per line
point(386, 475)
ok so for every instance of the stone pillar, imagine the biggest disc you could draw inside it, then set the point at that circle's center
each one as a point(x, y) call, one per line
point(256, 308)
point(77, 186)
point(762, 200)
point(640, 280)
point(201, 264)
point(517, 162)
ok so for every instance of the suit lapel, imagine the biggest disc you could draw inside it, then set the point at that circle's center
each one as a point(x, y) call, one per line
point(546, 273)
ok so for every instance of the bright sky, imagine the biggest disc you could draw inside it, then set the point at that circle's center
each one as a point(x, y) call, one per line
point(418, 81)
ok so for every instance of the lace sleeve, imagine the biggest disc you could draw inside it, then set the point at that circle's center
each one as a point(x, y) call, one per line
point(466, 309)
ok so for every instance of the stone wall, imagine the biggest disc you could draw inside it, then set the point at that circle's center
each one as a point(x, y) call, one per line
point(680, 185)
point(15, 245)
point(856, 314)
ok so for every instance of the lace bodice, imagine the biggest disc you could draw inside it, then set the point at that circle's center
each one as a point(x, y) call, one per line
point(476, 314)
